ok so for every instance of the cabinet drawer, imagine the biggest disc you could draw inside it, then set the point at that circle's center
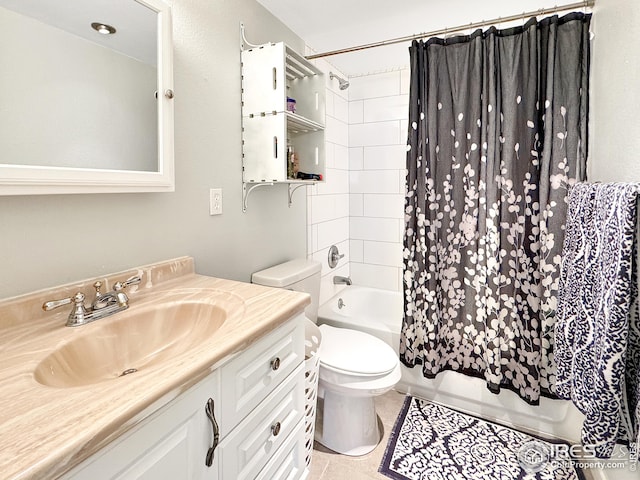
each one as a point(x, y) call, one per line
point(248, 378)
point(289, 462)
point(245, 452)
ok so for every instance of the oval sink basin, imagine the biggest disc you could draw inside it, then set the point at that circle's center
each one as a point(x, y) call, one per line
point(135, 340)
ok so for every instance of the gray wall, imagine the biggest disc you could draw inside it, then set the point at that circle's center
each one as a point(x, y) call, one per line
point(55, 239)
point(615, 92)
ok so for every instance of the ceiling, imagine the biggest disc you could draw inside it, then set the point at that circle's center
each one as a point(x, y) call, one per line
point(327, 25)
point(135, 23)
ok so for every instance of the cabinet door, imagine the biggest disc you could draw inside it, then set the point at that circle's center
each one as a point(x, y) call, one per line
point(263, 79)
point(264, 148)
point(171, 444)
point(178, 454)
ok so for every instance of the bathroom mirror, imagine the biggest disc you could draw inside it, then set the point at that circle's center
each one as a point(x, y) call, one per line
point(86, 102)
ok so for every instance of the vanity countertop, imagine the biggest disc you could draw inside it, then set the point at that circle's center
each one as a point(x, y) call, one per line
point(45, 431)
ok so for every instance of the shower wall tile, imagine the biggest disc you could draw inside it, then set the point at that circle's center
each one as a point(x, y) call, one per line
point(376, 276)
point(356, 111)
point(382, 253)
point(375, 229)
point(329, 155)
point(374, 181)
point(332, 232)
point(372, 86)
point(377, 133)
point(356, 158)
point(385, 157)
point(339, 182)
point(341, 109)
point(381, 109)
point(356, 249)
point(328, 207)
point(336, 131)
point(356, 205)
point(341, 157)
point(382, 205)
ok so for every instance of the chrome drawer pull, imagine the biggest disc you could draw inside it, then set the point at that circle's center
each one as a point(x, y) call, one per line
point(275, 429)
point(216, 432)
point(275, 364)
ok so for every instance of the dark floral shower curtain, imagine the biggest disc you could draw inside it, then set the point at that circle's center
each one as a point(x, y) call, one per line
point(497, 133)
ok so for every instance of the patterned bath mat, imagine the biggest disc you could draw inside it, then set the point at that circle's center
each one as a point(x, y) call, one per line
point(431, 442)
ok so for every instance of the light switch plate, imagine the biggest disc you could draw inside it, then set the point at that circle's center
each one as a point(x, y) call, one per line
point(215, 201)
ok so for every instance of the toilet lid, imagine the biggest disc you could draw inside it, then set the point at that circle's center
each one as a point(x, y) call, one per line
point(356, 352)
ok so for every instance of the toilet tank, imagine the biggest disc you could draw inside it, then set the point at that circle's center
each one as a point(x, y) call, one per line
point(300, 275)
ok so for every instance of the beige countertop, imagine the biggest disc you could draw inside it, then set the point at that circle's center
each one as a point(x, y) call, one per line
point(45, 431)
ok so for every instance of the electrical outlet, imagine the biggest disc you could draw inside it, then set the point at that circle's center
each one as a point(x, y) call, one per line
point(215, 201)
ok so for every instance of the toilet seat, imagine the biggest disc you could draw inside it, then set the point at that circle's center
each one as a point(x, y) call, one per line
point(354, 353)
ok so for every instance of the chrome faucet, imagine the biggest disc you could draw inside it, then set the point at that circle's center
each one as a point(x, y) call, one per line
point(337, 280)
point(102, 305)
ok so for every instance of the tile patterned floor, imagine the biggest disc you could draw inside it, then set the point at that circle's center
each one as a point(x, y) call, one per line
point(328, 465)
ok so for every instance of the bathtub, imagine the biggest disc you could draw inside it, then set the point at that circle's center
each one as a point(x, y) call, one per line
point(379, 313)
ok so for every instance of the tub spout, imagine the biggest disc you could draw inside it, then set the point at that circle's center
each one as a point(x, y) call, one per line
point(337, 280)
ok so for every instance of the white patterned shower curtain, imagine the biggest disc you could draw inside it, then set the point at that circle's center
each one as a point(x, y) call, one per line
point(497, 133)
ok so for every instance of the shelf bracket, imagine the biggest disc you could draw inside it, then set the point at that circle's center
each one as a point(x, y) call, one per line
point(244, 42)
point(246, 191)
point(295, 186)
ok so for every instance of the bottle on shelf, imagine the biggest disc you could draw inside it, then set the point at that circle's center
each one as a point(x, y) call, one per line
point(293, 163)
point(308, 176)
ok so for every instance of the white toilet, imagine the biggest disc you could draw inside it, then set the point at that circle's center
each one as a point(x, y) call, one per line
point(354, 367)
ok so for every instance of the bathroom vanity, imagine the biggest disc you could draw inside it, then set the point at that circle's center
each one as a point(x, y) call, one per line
point(213, 399)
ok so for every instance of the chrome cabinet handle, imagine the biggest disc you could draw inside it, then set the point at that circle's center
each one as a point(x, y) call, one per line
point(275, 364)
point(216, 432)
point(275, 429)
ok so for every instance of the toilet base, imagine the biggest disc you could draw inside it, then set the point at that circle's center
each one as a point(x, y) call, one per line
point(348, 424)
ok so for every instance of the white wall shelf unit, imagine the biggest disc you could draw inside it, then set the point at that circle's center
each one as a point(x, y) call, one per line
point(272, 74)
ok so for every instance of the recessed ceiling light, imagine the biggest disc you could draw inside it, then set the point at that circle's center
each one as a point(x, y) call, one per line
point(103, 28)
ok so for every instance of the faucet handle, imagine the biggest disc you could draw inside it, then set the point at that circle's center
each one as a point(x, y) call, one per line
point(98, 285)
point(334, 256)
point(135, 280)
point(50, 305)
point(78, 313)
point(78, 298)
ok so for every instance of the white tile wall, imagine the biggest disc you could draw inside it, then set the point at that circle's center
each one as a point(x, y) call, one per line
point(359, 207)
point(379, 106)
point(372, 86)
point(372, 228)
point(375, 181)
point(381, 109)
point(383, 205)
point(377, 133)
point(328, 201)
point(392, 157)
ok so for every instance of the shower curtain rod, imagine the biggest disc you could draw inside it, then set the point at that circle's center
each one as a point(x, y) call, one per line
point(460, 28)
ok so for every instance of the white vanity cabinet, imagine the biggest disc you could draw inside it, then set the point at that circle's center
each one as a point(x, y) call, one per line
point(272, 74)
point(258, 397)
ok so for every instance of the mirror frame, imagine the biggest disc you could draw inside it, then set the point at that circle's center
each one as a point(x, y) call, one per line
point(33, 180)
